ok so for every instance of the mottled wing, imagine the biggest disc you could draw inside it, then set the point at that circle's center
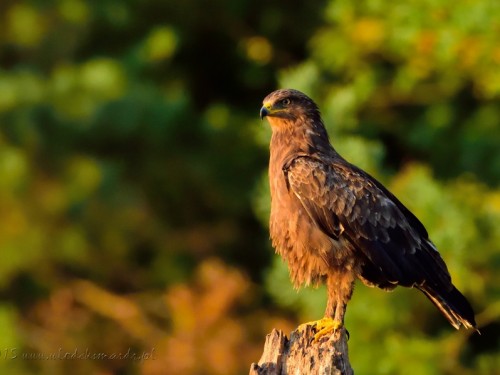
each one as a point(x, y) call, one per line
point(345, 201)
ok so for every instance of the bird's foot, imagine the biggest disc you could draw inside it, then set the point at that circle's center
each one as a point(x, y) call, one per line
point(323, 327)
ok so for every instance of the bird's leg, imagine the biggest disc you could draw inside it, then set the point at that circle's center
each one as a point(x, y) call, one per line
point(324, 325)
point(335, 309)
point(340, 290)
point(319, 325)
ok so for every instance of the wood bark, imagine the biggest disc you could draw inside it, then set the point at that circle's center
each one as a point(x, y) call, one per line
point(301, 355)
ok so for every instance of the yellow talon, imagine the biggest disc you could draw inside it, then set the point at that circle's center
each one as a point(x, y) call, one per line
point(322, 327)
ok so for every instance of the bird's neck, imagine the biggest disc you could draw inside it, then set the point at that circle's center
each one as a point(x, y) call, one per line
point(299, 137)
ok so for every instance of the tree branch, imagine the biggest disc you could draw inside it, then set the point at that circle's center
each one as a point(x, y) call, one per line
point(300, 355)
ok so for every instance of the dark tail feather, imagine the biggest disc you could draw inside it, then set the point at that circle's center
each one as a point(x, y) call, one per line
point(453, 305)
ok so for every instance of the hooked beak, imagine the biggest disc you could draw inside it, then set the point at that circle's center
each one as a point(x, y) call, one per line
point(265, 110)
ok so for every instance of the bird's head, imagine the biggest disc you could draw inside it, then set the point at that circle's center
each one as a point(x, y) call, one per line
point(287, 106)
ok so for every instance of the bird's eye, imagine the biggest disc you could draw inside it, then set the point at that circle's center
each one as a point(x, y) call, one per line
point(286, 102)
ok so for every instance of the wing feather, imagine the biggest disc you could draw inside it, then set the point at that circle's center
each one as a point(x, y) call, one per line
point(343, 200)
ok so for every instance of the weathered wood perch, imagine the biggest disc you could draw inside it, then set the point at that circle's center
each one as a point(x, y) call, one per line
point(299, 355)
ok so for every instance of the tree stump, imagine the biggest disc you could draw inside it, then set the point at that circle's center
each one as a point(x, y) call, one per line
point(300, 355)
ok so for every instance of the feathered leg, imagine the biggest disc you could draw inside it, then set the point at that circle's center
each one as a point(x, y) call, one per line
point(340, 287)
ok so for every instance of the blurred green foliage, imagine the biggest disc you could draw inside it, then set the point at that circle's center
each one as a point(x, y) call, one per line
point(133, 186)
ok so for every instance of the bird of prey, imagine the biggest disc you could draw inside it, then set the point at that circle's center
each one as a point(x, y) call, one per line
point(332, 222)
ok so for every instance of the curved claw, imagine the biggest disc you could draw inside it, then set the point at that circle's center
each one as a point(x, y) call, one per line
point(323, 327)
point(326, 326)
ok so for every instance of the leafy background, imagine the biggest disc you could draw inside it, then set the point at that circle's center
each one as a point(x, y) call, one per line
point(133, 192)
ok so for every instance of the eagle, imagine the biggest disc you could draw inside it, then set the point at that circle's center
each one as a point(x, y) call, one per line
point(332, 222)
